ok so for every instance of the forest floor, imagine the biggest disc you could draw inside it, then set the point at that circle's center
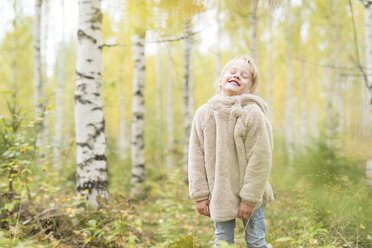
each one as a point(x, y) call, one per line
point(323, 201)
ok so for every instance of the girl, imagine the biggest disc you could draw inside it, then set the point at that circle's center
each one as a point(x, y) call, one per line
point(230, 155)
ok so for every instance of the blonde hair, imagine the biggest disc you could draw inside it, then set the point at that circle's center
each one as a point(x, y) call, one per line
point(253, 72)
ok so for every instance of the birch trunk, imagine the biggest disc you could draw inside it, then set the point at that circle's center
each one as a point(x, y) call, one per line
point(368, 45)
point(158, 143)
point(271, 63)
point(44, 78)
point(289, 103)
point(303, 121)
point(123, 138)
point(38, 85)
point(188, 102)
point(91, 171)
point(138, 111)
point(253, 30)
point(169, 161)
point(59, 99)
point(337, 73)
point(218, 40)
point(329, 97)
point(14, 48)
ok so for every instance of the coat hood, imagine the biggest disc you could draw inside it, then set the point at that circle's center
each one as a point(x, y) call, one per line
point(220, 102)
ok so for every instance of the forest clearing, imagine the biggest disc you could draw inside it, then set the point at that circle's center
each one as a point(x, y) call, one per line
point(98, 99)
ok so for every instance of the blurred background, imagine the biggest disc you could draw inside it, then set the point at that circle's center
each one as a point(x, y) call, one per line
point(313, 59)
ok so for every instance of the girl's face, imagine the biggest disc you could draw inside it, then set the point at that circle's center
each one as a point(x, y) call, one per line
point(236, 80)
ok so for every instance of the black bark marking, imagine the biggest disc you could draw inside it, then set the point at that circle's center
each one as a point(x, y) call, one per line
point(138, 93)
point(138, 116)
point(89, 60)
point(97, 130)
point(79, 98)
point(84, 145)
point(81, 75)
point(95, 27)
point(101, 157)
point(81, 34)
point(93, 184)
point(97, 108)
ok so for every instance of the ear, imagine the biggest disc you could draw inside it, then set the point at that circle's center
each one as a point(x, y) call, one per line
point(220, 83)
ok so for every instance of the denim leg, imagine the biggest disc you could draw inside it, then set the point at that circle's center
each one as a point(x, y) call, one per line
point(224, 231)
point(255, 231)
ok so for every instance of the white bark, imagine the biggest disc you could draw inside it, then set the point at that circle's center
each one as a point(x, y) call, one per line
point(337, 73)
point(59, 99)
point(218, 40)
point(271, 63)
point(289, 102)
point(38, 84)
point(138, 111)
point(253, 30)
point(368, 71)
point(158, 96)
point(303, 121)
point(123, 137)
point(188, 102)
point(14, 48)
point(169, 161)
point(329, 97)
point(91, 172)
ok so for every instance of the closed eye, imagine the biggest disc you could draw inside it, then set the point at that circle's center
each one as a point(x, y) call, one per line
point(245, 75)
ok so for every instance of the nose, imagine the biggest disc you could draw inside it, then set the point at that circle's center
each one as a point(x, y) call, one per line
point(236, 75)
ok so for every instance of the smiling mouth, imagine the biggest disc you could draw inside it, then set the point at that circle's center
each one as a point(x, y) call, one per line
point(234, 82)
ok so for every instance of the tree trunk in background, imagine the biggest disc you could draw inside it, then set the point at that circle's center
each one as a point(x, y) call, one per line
point(158, 109)
point(91, 171)
point(289, 102)
point(38, 84)
point(44, 78)
point(337, 73)
point(138, 111)
point(59, 99)
point(13, 78)
point(123, 138)
point(253, 30)
point(218, 40)
point(368, 54)
point(169, 160)
point(303, 121)
point(188, 102)
point(329, 96)
point(271, 64)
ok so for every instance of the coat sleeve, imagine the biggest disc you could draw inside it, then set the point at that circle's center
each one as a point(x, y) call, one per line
point(258, 148)
point(198, 183)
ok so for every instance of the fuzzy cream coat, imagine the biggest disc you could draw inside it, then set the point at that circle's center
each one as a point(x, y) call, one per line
point(230, 154)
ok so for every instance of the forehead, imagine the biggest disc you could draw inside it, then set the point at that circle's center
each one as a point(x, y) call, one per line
point(239, 64)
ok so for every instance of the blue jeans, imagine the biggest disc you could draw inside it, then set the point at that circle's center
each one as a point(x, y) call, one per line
point(254, 233)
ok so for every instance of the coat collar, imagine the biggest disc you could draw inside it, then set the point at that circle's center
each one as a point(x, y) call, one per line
point(220, 102)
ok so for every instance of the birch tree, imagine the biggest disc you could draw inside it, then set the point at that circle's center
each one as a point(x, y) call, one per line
point(289, 99)
point(91, 172)
point(123, 138)
point(188, 100)
point(368, 73)
point(169, 161)
point(253, 30)
point(38, 84)
point(13, 50)
point(138, 111)
point(337, 73)
point(59, 97)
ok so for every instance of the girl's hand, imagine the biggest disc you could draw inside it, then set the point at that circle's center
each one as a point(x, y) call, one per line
point(245, 211)
point(203, 207)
